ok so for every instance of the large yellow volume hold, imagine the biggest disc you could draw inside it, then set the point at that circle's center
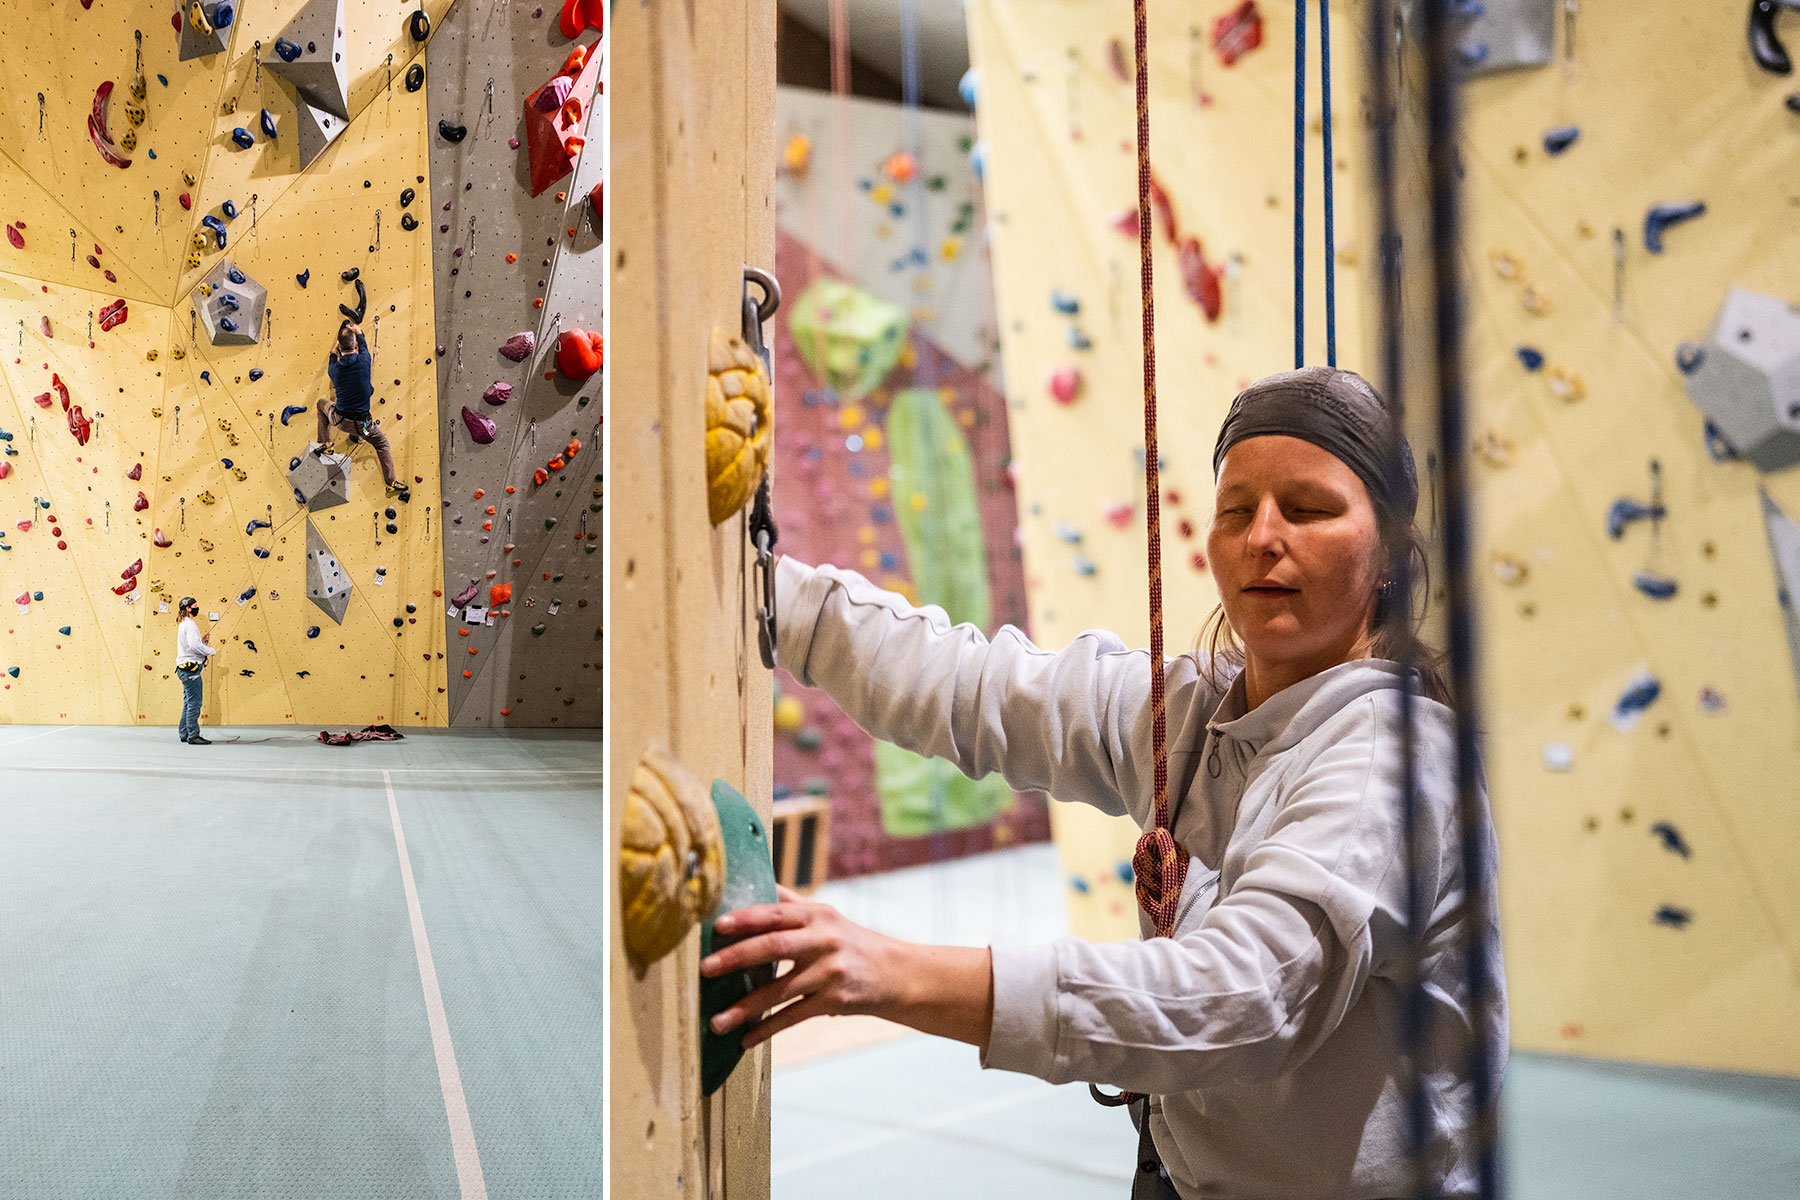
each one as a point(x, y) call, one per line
point(739, 420)
point(671, 857)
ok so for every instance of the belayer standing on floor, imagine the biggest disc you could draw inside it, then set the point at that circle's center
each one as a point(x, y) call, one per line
point(1268, 1030)
point(348, 409)
point(192, 649)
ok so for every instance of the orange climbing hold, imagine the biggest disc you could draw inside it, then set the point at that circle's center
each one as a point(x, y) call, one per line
point(540, 476)
point(499, 594)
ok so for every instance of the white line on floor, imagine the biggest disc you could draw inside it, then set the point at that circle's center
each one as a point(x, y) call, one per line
point(941, 1122)
point(456, 1105)
point(34, 736)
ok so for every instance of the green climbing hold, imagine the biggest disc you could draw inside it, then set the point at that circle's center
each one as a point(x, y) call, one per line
point(749, 880)
point(538, 629)
point(549, 522)
point(850, 338)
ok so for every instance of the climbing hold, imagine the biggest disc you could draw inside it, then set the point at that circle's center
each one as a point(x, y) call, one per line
point(519, 346)
point(242, 137)
point(452, 133)
point(1066, 384)
point(1561, 138)
point(481, 429)
point(97, 132)
point(540, 477)
point(1688, 357)
point(161, 541)
point(352, 275)
point(1657, 587)
point(291, 411)
point(418, 26)
point(1671, 839)
point(256, 373)
point(1566, 384)
point(1641, 694)
point(136, 473)
point(499, 594)
point(408, 222)
point(497, 393)
point(113, 315)
point(415, 77)
point(1530, 358)
point(287, 50)
point(1064, 303)
point(579, 353)
point(141, 503)
point(1669, 914)
point(1765, 47)
point(267, 121)
point(253, 526)
point(671, 857)
point(1662, 216)
point(739, 420)
point(1237, 33)
point(1626, 511)
point(217, 226)
point(406, 197)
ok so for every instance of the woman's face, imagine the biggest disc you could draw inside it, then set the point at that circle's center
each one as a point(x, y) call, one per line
point(1296, 555)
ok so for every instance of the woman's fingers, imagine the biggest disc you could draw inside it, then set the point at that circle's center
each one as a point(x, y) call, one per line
point(803, 980)
point(793, 1014)
point(760, 918)
point(789, 894)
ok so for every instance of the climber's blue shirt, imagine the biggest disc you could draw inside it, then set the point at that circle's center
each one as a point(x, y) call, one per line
point(350, 377)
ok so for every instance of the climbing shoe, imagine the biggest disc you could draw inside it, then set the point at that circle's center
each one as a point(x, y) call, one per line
point(400, 490)
point(198, 741)
point(319, 448)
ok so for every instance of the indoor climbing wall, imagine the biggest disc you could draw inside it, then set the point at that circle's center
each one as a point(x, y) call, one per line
point(1638, 571)
point(520, 267)
point(184, 192)
point(693, 134)
point(1055, 111)
point(882, 199)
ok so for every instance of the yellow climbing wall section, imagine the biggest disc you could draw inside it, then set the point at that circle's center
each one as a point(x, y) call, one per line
point(209, 442)
point(1620, 945)
point(1670, 109)
point(693, 144)
point(1057, 126)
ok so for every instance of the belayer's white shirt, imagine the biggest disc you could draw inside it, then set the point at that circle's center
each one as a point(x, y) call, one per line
point(188, 646)
point(1268, 1030)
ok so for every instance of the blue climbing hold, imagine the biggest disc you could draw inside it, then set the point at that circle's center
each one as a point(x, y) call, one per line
point(969, 86)
point(304, 277)
point(66, 630)
point(1688, 357)
point(242, 137)
point(1125, 873)
point(245, 595)
point(38, 596)
point(1662, 216)
point(236, 276)
point(1561, 138)
point(1625, 511)
point(163, 79)
point(1640, 695)
point(1085, 565)
point(1079, 340)
point(223, 16)
point(312, 631)
point(228, 463)
point(978, 160)
point(1064, 303)
point(267, 120)
point(1080, 885)
point(228, 302)
point(1671, 839)
point(13, 671)
point(292, 410)
point(1675, 918)
point(303, 674)
point(253, 526)
point(287, 50)
point(228, 325)
point(256, 373)
point(1657, 587)
point(1473, 54)
point(246, 672)
point(260, 551)
point(1068, 533)
point(250, 645)
point(206, 375)
point(217, 226)
point(1530, 357)
point(229, 209)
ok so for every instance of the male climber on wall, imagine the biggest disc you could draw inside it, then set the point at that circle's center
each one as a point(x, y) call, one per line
point(349, 368)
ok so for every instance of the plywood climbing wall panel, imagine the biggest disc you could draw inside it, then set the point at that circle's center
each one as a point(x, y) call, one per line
point(1647, 865)
point(211, 430)
point(693, 143)
point(506, 263)
point(1056, 118)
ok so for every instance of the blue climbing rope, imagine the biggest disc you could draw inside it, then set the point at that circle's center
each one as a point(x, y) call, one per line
point(1330, 239)
point(1299, 184)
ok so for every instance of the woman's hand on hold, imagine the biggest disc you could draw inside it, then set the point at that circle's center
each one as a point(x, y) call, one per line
point(841, 968)
point(838, 966)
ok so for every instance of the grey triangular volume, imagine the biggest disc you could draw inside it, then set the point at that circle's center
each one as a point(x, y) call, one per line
point(195, 44)
point(242, 304)
point(317, 130)
point(1784, 548)
point(318, 72)
point(326, 584)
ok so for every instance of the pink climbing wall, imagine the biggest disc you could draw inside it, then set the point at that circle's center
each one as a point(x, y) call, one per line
point(826, 512)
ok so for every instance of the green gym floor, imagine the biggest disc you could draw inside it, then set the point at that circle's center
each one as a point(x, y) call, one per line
point(273, 968)
point(917, 1116)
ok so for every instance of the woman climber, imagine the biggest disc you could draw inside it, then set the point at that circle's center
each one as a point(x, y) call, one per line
point(192, 649)
point(348, 407)
point(1269, 1028)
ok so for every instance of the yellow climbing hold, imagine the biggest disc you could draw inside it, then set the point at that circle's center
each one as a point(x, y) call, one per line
point(206, 498)
point(1567, 384)
point(797, 155)
point(951, 250)
point(850, 417)
point(881, 193)
point(872, 438)
point(878, 488)
point(671, 857)
point(789, 714)
point(739, 418)
point(151, 357)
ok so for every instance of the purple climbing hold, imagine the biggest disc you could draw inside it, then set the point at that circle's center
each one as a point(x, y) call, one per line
point(519, 346)
point(481, 428)
point(497, 393)
point(551, 97)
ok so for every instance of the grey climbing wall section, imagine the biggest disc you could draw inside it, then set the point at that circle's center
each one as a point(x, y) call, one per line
point(507, 263)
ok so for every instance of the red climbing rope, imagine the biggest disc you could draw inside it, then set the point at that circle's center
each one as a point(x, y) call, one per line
point(1159, 863)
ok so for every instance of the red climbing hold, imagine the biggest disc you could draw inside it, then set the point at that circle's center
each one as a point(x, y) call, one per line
point(1203, 282)
point(62, 389)
point(554, 138)
point(130, 585)
point(160, 541)
point(579, 353)
point(15, 237)
point(577, 17)
point(1065, 384)
point(141, 503)
point(5, 469)
point(187, 201)
point(1237, 32)
point(81, 426)
point(44, 401)
point(113, 315)
point(133, 571)
point(136, 473)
